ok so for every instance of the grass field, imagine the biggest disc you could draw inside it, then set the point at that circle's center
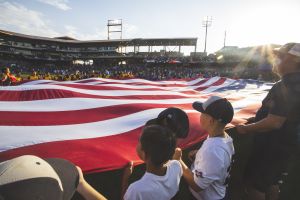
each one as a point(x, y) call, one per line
point(109, 184)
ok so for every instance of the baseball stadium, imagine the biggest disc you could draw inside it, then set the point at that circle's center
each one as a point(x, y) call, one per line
point(138, 111)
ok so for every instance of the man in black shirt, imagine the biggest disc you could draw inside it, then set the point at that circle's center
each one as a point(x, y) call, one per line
point(275, 128)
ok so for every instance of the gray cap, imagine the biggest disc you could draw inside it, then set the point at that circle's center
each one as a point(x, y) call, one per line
point(217, 107)
point(30, 177)
point(289, 48)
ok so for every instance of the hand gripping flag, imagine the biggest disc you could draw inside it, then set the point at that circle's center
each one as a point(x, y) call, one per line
point(96, 123)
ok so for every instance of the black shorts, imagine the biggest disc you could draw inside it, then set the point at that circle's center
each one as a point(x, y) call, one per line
point(265, 169)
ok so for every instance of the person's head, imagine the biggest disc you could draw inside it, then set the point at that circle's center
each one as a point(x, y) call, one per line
point(30, 177)
point(34, 73)
point(157, 144)
point(173, 118)
point(287, 59)
point(216, 112)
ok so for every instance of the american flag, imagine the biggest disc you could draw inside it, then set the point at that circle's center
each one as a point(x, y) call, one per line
point(95, 123)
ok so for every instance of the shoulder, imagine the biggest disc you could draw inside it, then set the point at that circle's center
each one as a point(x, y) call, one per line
point(134, 189)
point(131, 193)
point(175, 166)
point(216, 147)
point(174, 163)
point(277, 84)
point(211, 144)
point(276, 87)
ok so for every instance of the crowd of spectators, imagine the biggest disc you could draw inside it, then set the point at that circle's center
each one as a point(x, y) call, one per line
point(147, 71)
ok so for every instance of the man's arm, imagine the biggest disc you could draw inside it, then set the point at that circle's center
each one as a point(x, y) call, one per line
point(271, 122)
point(126, 174)
point(86, 190)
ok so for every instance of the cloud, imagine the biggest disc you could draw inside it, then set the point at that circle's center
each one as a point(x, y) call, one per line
point(97, 34)
point(18, 18)
point(60, 4)
point(129, 31)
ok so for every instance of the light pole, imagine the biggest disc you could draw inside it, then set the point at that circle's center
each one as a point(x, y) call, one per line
point(225, 39)
point(206, 23)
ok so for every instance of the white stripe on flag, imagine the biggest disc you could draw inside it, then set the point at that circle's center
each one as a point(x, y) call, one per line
point(68, 104)
point(141, 81)
point(18, 136)
point(94, 92)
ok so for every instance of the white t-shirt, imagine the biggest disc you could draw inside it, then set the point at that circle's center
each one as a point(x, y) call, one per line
point(211, 167)
point(153, 187)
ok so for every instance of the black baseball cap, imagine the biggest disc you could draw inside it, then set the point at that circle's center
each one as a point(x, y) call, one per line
point(30, 177)
point(217, 107)
point(173, 118)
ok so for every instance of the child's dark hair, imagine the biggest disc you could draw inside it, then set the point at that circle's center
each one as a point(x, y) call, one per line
point(159, 143)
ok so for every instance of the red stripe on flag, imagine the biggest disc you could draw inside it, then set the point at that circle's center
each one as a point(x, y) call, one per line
point(8, 118)
point(32, 95)
point(100, 154)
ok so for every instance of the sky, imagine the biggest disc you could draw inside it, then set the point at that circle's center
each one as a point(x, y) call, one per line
point(247, 23)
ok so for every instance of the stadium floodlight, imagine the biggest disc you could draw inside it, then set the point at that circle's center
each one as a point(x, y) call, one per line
point(118, 24)
point(206, 23)
point(114, 22)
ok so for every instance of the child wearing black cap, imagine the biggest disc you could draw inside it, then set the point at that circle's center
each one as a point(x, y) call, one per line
point(173, 118)
point(161, 181)
point(209, 172)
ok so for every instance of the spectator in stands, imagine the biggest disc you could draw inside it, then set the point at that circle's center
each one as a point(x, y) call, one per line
point(67, 78)
point(161, 181)
point(209, 172)
point(33, 76)
point(48, 76)
point(275, 127)
point(19, 77)
point(7, 78)
point(30, 177)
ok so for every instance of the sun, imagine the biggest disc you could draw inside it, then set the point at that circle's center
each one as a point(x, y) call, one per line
point(267, 24)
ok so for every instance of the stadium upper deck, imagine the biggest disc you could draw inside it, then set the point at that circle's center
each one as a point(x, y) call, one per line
point(21, 46)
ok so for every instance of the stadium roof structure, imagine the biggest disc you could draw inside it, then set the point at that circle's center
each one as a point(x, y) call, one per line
point(116, 43)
